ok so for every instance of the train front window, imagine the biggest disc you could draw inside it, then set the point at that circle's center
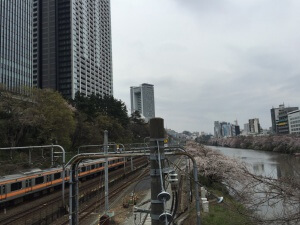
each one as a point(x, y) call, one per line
point(16, 186)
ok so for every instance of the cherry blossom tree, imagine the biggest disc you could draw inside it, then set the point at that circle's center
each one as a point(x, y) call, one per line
point(256, 193)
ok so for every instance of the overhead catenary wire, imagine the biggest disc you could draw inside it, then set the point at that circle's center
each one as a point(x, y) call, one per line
point(160, 167)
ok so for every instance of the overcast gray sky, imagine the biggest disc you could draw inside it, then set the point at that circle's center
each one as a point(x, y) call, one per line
point(208, 59)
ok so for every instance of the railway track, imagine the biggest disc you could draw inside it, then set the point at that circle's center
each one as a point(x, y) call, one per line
point(92, 206)
point(40, 211)
point(19, 217)
point(86, 212)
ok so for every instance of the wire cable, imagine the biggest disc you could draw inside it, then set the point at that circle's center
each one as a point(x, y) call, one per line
point(160, 170)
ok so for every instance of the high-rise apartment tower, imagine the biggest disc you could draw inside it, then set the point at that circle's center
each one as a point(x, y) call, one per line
point(72, 46)
point(142, 100)
point(59, 44)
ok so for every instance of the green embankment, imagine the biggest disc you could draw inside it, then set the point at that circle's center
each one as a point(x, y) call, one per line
point(229, 212)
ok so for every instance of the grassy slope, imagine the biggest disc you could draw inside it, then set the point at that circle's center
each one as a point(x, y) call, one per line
point(230, 212)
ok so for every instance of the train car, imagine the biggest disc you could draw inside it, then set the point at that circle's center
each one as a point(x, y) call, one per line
point(30, 182)
point(92, 167)
point(17, 187)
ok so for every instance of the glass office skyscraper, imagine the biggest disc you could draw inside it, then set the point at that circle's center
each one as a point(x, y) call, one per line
point(142, 100)
point(74, 46)
point(16, 44)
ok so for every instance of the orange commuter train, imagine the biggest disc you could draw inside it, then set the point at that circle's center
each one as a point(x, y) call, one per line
point(14, 188)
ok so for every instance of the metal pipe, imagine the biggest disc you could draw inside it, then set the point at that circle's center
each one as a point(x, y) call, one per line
point(195, 172)
point(71, 207)
point(101, 155)
point(52, 158)
point(29, 156)
point(43, 154)
point(97, 146)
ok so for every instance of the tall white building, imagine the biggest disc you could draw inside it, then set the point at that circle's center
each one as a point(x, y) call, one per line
point(142, 100)
point(217, 129)
point(246, 129)
point(294, 122)
point(254, 126)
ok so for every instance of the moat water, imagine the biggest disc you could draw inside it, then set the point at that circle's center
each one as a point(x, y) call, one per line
point(270, 164)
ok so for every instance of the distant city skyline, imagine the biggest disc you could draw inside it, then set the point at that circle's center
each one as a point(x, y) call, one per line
point(208, 60)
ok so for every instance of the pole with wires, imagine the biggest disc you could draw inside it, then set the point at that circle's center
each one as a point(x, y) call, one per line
point(106, 170)
point(159, 195)
point(156, 133)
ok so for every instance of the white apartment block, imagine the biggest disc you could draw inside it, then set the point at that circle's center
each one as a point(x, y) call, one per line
point(294, 122)
point(254, 126)
point(72, 46)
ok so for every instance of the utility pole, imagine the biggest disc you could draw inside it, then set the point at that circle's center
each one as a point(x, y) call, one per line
point(156, 138)
point(106, 170)
point(187, 183)
point(74, 204)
